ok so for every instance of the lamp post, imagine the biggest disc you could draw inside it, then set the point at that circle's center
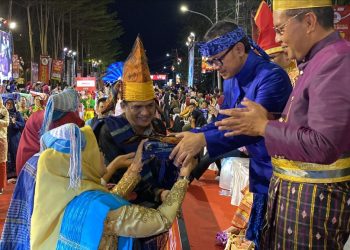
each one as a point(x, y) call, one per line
point(190, 44)
point(184, 9)
point(69, 72)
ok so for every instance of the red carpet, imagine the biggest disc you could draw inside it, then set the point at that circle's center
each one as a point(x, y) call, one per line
point(206, 212)
point(4, 203)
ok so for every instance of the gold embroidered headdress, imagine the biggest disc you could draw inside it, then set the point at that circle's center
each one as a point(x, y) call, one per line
point(137, 83)
point(299, 4)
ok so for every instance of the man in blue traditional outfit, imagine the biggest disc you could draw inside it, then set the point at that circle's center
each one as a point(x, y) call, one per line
point(246, 74)
point(309, 198)
point(138, 119)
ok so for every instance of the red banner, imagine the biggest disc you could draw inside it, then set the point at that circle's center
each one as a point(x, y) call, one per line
point(34, 72)
point(44, 69)
point(86, 83)
point(57, 68)
point(15, 67)
point(342, 20)
point(159, 77)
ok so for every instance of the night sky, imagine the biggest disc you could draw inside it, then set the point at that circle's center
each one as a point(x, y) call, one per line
point(159, 23)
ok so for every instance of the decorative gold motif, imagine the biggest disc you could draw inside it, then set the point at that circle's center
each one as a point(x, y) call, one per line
point(126, 185)
point(177, 193)
point(138, 221)
point(108, 242)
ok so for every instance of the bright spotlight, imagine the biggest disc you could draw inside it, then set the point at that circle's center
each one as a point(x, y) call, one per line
point(183, 8)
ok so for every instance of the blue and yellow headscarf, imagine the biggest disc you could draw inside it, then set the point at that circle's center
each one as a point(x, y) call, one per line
point(69, 174)
point(58, 105)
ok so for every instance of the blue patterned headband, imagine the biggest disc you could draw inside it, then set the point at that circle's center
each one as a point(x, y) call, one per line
point(221, 43)
point(227, 40)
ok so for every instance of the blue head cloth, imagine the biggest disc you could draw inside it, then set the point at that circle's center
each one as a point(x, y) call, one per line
point(227, 40)
point(67, 139)
point(58, 105)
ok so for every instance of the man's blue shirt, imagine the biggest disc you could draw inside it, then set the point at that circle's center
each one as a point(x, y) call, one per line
point(263, 82)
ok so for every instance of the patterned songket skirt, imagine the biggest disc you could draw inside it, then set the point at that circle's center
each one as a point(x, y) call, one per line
point(306, 215)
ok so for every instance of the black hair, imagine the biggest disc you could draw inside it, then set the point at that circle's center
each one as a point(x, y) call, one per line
point(325, 15)
point(222, 27)
point(102, 99)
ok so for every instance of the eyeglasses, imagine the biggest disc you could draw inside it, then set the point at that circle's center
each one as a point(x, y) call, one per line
point(139, 108)
point(218, 61)
point(281, 29)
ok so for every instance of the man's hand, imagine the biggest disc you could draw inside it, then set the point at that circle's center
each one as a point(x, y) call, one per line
point(251, 120)
point(189, 146)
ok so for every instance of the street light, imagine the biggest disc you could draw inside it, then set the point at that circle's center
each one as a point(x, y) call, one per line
point(12, 25)
point(184, 8)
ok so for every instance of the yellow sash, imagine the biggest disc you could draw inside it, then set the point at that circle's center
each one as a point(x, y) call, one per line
point(296, 171)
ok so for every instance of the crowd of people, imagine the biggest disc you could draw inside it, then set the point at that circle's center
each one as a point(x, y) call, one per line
point(109, 170)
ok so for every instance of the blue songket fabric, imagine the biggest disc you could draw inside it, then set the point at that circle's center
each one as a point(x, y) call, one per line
point(256, 219)
point(152, 172)
point(83, 221)
point(16, 232)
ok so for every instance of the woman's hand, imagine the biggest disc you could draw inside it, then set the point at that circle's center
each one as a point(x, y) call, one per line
point(122, 161)
point(137, 164)
point(187, 169)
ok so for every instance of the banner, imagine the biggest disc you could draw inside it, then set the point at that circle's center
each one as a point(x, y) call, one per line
point(34, 72)
point(342, 20)
point(44, 69)
point(5, 56)
point(190, 66)
point(15, 67)
point(86, 83)
point(158, 77)
point(57, 69)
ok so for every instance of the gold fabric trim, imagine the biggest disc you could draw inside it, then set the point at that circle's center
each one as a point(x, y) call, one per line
point(286, 216)
point(274, 50)
point(298, 165)
point(135, 91)
point(312, 215)
point(311, 180)
point(126, 185)
point(137, 221)
point(299, 4)
point(297, 216)
point(290, 169)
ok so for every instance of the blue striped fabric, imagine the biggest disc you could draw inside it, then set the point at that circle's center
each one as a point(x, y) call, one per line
point(83, 221)
point(16, 232)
